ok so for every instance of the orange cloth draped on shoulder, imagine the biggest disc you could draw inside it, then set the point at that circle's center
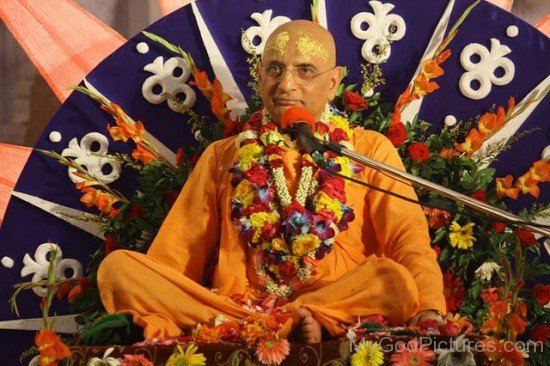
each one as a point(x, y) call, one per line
point(382, 264)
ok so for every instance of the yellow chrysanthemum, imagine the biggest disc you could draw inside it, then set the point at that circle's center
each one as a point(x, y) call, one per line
point(323, 201)
point(244, 193)
point(342, 123)
point(462, 236)
point(344, 163)
point(258, 219)
point(368, 353)
point(251, 333)
point(305, 244)
point(249, 154)
point(189, 357)
point(280, 245)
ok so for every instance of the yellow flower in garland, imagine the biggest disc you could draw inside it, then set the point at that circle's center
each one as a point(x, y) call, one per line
point(368, 353)
point(462, 236)
point(251, 333)
point(345, 166)
point(258, 219)
point(189, 357)
point(249, 154)
point(341, 123)
point(305, 244)
point(244, 193)
point(279, 245)
point(323, 201)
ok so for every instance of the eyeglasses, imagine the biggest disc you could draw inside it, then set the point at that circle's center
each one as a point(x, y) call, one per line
point(302, 75)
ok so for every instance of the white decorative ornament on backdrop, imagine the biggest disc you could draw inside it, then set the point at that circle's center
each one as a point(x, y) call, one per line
point(383, 28)
point(263, 30)
point(165, 77)
point(93, 160)
point(483, 70)
point(39, 266)
point(546, 153)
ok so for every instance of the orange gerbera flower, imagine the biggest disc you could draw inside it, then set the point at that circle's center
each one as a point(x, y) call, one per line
point(527, 184)
point(540, 171)
point(472, 143)
point(51, 348)
point(143, 154)
point(504, 187)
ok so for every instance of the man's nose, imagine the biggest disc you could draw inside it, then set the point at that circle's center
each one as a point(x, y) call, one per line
point(287, 81)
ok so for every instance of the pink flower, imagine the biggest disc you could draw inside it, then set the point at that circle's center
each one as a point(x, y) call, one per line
point(272, 351)
point(413, 354)
point(135, 360)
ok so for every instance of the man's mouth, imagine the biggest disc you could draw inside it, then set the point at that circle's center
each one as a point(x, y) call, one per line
point(285, 102)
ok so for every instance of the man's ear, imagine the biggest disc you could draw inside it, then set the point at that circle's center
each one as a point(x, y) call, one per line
point(335, 79)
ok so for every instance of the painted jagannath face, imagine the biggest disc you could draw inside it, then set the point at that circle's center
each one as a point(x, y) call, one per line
point(298, 69)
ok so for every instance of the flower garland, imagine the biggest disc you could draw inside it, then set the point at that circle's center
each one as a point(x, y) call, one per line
point(291, 234)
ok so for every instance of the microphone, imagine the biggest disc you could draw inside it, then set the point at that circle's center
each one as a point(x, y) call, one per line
point(299, 123)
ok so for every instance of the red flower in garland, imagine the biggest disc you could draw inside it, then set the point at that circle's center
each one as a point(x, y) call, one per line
point(419, 152)
point(257, 175)
point(526, 237)
point(354, 101)
point(542, 294)
point(397, 134)
point(338, 135)
point(541, 333)
point(454, 291)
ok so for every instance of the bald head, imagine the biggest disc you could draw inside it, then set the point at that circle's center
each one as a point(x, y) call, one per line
point(298, 69)
point(310, 39)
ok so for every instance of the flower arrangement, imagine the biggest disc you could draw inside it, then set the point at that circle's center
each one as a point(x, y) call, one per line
point(489, 267)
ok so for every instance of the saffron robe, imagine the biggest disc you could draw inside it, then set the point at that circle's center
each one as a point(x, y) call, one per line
point(383, 264)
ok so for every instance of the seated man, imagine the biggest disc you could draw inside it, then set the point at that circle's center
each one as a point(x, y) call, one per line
point(281, 232)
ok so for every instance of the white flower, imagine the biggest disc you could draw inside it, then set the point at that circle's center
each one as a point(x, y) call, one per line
point(198, 136)
point(486, 270)
point(460, 354)
point(245, 135)
point(105, 361)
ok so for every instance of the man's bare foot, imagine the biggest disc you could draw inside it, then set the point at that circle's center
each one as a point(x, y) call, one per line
point(311, 329)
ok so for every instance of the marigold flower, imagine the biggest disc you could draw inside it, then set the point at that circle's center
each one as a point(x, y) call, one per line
point(462, 236)
point(367, 353)
point(305, 244)
point(413, 353)
point(252, 333)
point(206, 334)
point(504, 187)
point(272, 351)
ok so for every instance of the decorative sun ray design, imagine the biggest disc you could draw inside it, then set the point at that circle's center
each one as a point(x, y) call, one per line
point(82, 220)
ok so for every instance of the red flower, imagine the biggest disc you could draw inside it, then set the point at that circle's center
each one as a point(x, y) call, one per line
point(526, 237)
point(354, 101)
point(454, 291)
point(490, 295)
point(542, 294)
point(180, 156)
point(499, 227)
point(419, 152)
point(110, 244)
point(436, 218)
point(287, 269)
point(338, 135)
point(541, 333)
point(479, 194)
point(256, 175)
point(397, 134)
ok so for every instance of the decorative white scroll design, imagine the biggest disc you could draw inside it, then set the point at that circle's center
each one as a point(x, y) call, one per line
point(171, 77)
point(263, 30)
point(39, 266)
point(383, 28)
point(483, 70)
point(92, 155)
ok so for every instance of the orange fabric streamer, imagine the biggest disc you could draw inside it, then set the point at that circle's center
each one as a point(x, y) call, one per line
point(62, 39)
point(12, 161)
point(168, 6)
point(543, 25)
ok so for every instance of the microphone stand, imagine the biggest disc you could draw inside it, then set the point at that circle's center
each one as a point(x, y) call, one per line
point(420, 182)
